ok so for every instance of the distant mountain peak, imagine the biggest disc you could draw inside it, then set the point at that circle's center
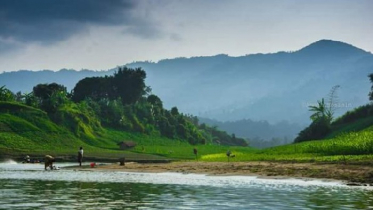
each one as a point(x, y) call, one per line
point(331, 46)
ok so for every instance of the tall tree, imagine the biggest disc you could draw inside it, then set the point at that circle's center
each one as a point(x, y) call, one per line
point(50, 96)
point(174, 111)
point(130, 84)
point(45, 91)
point(155, 101)
point(371, 90)
point(319, 111)
point(332, 103)
point(96, 88)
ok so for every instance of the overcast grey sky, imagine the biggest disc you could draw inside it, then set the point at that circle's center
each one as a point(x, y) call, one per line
point(102, 34)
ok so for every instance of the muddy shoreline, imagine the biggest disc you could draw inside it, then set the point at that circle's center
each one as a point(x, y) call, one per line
point(359, 175)
point(352, 173)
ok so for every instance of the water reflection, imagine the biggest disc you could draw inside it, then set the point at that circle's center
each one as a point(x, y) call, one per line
point(90, 195)
point(32, 188)
point(340, 199)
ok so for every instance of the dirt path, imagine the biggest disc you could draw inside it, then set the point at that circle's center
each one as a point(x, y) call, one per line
point(352, 174)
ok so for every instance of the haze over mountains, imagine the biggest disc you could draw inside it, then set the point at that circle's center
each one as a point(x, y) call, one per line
point(271, 87)
point(274, 87)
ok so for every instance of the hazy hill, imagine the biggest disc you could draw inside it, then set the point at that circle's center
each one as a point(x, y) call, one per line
point(272, 87)
point(257, 129)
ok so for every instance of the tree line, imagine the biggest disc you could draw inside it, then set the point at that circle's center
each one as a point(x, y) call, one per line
point(121, 101)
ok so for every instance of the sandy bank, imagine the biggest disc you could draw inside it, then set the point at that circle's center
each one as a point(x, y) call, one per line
point(353, 174)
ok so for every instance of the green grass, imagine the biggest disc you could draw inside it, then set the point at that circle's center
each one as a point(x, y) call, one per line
point(353, 146)
point(28, 130)
point(185, 151)
point(358, 125)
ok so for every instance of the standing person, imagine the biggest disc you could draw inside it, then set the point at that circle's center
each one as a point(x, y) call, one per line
point(228, 154)
point(48, 162)
point(195, 153)
point(80, 156)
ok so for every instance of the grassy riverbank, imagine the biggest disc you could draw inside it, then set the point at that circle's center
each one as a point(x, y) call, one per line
point(350, 147)
point(26, 130)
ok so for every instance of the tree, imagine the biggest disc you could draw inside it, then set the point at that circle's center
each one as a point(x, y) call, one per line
point(31, 100)
point(126, 84)
point(174, 111)
point(371, 90)
point(317, 130)
point(320, 126)
point(50, 96)
point(325, 110)
point(332, 100)
point(45, 91)
point(6, 94)
point(130, 84)
point(155, 101)
point(166, 128)
point(157, 105)
point(56, 100)
point(112, 113)
point(96, 88)
point(19, 97)
point(320, 111)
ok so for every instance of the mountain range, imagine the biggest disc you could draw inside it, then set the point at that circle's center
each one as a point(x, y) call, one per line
point(274, 87)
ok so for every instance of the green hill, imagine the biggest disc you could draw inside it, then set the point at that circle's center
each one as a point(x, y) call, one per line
point(97, 114)
point(26, 130)
point(102, 111)
point(358, 119)
point(23, 128)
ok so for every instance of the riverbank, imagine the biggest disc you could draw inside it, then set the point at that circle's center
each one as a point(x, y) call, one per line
point(352, 174)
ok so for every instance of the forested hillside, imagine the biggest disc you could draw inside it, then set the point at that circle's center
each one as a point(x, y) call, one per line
point(121, 101)
point(272, 87)
point(275, 87)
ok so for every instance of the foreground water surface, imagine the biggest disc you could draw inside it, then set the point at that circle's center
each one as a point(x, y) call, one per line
point(28, 186)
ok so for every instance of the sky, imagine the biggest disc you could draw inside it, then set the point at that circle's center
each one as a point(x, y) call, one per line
point(103, 34)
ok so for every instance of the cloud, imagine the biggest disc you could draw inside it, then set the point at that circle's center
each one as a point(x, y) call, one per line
point(47, 21)
point(176, 37)
point(6, 46)
point(145, 31)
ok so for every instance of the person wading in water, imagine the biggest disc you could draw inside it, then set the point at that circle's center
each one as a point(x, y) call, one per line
point(48, 162)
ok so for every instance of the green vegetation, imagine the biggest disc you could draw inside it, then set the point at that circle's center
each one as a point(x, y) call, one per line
point(324, 126)
point(346, 147)
point(97, 114)
point(322, 117)
point(102, 111)
point(19, 135)
point(355, 120)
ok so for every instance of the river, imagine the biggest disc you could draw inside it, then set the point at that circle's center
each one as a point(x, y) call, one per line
point(28, 186)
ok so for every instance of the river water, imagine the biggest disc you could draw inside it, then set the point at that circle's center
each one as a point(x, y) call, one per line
point(28, 186)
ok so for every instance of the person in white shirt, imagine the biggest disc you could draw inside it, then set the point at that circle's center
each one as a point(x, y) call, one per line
point(80, 156)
